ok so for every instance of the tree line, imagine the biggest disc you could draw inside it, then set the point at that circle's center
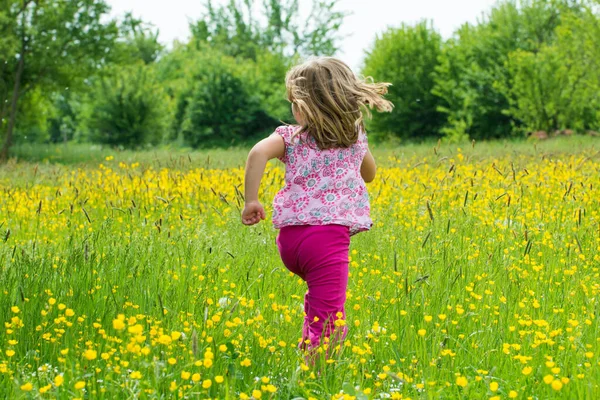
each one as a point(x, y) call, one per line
point(70, 73)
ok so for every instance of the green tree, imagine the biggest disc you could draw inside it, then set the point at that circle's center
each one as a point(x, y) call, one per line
point(472, 65)
point(558, 86)
point(237, 30)
point(128, 108)
point(221, 107)
point(260, 82)
point(407, 57)
point(56, 44)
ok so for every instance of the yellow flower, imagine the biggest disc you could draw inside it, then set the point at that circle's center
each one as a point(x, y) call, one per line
point(548, 379)
point(69, 312)
point(527, 370)
point(196, 378)
point(422, 332)
point(271, 388)
point(16, 310)
point(118, 324)
point(185, 375)
point(207, 383)
point(494, 386)
point(28, 387)
point(257, 394)
point(10, 353)
point(135, 375)
point(219, 379)
point(557, 384)
point(44, 389)
point(512, 394)
point(245, 362)
point(461, 381)
point(79, 385)
point(90, 354)
point(428, 318)
point(58, 380)
point(172, 361)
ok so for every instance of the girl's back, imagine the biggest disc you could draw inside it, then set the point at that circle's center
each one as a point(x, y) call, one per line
point(322, 187)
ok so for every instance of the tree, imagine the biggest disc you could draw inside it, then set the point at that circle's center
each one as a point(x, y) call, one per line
point(236, 28)
point(407, 57)
point(128, 108)
point(55, 42)
point(472, 65)
point(557, 87)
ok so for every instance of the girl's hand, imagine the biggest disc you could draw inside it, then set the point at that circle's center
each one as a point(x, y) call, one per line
point(253, 213)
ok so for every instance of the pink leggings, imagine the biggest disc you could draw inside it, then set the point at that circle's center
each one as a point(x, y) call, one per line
point(319, 255)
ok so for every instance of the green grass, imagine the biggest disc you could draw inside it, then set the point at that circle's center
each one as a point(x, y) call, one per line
point(483, 263)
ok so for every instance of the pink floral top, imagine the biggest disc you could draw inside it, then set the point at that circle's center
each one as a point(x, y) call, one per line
point(322, 187)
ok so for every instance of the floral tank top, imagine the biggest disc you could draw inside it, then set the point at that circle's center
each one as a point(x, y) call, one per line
point(322, 187)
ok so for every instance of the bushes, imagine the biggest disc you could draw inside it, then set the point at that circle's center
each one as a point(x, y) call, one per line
point(407, 57)
point(221, 110)
point(220, 100)
point(557, 87)
point(472, 67)
point(528, 65)
point(127, 108)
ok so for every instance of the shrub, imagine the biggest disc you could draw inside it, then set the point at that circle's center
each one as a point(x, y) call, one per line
point(406, 57)
point(557, 87)
point(127, 108)
point(472, 66)
point(221, 111)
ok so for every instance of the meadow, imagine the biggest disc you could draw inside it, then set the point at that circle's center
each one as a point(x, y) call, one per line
point(129, 275)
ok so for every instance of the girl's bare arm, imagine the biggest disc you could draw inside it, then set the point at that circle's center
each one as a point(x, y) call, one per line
point(368, 168)
point(261, 153)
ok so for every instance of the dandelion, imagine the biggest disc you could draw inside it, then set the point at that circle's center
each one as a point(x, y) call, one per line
point(79, 385)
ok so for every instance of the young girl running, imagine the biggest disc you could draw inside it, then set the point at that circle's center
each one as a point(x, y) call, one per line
point(324, 201)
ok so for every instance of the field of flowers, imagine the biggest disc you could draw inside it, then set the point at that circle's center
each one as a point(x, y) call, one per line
point(479, 280)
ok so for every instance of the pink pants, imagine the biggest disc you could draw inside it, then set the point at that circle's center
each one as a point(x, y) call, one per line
point(319, 255)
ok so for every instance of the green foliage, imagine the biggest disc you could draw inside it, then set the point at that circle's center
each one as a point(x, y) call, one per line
point(472, 65)
point(406, 57)
point(137, 42)
point(221, 109)
point(57, 44)
point(128, 108)
point(557, 87)
point(236, 28)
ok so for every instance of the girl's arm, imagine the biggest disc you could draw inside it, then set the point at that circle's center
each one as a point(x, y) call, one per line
point(261, 153)
point(368, 168)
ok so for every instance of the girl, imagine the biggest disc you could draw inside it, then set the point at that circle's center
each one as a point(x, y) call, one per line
point(324, 201)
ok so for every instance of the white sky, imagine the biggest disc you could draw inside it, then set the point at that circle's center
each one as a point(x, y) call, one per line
point(368, 18)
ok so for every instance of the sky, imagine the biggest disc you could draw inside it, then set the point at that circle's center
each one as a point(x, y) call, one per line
point(368, 18)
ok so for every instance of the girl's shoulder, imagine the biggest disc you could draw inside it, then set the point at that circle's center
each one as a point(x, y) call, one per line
point(287, 132)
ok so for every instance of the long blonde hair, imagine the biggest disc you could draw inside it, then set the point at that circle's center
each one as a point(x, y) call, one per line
point(333, 100)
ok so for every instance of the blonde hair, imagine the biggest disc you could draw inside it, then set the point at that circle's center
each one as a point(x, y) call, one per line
point(333, 100)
